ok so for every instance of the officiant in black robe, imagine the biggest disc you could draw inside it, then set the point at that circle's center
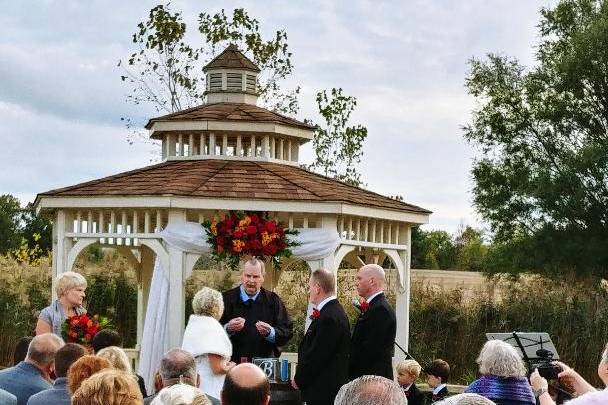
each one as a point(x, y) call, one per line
point(254, 318)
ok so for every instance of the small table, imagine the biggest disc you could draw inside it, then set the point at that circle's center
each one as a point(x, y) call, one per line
point(282, 393)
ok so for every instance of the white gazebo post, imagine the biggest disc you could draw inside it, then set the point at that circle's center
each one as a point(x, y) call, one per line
point(177, 264)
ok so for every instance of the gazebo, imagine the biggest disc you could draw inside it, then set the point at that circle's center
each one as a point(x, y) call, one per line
point(227, 154)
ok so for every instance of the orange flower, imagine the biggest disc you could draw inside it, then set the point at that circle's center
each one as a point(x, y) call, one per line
point(238, 245)
point(214, 228)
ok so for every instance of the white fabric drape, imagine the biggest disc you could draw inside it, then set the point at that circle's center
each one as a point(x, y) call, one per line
point(190, 237)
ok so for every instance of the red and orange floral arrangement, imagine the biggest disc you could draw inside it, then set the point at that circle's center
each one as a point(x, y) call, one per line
point(82, 328)
point(241, 234)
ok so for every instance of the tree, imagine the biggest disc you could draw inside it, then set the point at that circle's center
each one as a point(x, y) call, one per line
point(541, 179)
point(165, 72)
point(470, 249)
point(10, 213)
point(432, 249)
point(22, 226)
point(338, 147)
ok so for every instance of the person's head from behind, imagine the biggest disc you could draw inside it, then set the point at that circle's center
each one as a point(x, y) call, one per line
point(66, 356)
point(208, 302)
point(117, 357)
point(108, 387)
point(180, 394)
point(437, 373)
point(407, 372)
point(371, 390)
point(41, 352)
point(246, 383)
point(177, 366)
point(465, 399)
point(106, 338)
point(21, 349)
point(252, 276)
point(370, 280)
point(83, 368)
point(321, 285)
point(500, 359)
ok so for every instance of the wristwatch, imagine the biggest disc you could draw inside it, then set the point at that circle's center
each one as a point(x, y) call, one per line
point(538, 393)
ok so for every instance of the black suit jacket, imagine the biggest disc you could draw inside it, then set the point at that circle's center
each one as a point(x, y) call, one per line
point(323, 355)
point(373, 340)
point(414, 396)
point(439, 396)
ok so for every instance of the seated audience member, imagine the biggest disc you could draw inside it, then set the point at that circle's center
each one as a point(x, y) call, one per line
point(246, 384)
point(503, 375)
point(6, 398)
point(465, 399)
point(437, 375)
point(120, 361)
point(585, 393)
point(59, 394)
point(181, 394)
point(106, 338)
point(177, 367)
point(83, 368)
point(371, 390)
point(408, 372)
point(33, 374)
point(108, 387)
point(21, 349)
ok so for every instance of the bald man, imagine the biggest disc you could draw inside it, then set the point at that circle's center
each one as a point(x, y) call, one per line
point(373, 338)
point(246, 384)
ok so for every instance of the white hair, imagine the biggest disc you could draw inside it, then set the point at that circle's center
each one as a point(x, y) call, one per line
point(500, 359)
point(371, 390)
point(180, 394)
point(254, 261)
point(68, 280)
point(117, 357)
point(377, 271)
point(465, 399)
point(208, 302)
point(605, 355)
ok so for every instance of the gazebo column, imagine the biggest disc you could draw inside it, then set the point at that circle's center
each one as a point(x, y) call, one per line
point(61, 247)
point(177, 264)
point(143, 289)
point(404, 296)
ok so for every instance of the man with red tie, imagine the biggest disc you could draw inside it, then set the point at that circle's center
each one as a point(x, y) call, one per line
point(323, 353)
point(373, 338)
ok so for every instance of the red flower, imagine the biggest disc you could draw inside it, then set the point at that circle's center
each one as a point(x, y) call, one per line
point(251, 230)
point(220, 249)
point(270, 226)
point(315, 314)
point(364, 305)
point(254, 218)
point(238, 234)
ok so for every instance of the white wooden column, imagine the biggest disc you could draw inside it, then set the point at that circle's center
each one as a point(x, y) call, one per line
point(177, 263)
point(143, 289)
point(59, 249)
point(403, 298)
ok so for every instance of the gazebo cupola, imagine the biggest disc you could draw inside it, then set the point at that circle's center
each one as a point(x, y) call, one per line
point(230, 126)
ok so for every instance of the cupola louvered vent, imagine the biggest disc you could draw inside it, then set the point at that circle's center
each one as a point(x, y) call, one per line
point(234, 81)
point(251, 84)
point(215, 82)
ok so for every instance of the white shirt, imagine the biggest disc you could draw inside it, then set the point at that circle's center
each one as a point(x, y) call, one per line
point(438, 388)
point(371, 297)
point(325, 301)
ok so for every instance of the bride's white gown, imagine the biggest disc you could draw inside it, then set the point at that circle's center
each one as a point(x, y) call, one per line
point(203, 336)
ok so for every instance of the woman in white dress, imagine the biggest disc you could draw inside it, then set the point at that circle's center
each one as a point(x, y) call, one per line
point(207, 341)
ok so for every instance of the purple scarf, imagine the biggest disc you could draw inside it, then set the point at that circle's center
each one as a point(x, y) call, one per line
point(503, 388)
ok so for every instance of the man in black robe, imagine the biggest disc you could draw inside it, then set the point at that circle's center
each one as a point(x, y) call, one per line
point(373, 339)
point(255, 319)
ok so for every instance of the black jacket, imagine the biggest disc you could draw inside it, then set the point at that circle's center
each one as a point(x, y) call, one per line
point(437, 397)
point(323, 355)
point(414, 395)
point(268, 308)
point(373, 340)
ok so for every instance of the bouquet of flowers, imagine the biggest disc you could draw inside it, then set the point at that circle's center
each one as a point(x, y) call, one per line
point(82, 328)
point(241, 234)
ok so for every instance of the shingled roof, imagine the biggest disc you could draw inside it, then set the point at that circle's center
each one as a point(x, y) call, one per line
point(229, 112)
point(231, 58)
point(242, 180)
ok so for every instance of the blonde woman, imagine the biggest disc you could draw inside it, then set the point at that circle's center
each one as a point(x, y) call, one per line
point(70, 287)
point(207, 341)
point(180, 394)
point(108, 387)
point(120, 361)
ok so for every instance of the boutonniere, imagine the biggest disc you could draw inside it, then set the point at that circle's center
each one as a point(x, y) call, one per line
point(315, 314)
point(364, 305)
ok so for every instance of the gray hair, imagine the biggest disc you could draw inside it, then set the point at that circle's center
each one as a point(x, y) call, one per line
point(180, 394)
point(254, 261)
point(68, 280)
point(43, 347)
point(465, 399)
point(605, 355)
point(500, 359)
point(176, 364)
point(371, 390)
point(208, 302)
point(117, 357)
point(377, 272)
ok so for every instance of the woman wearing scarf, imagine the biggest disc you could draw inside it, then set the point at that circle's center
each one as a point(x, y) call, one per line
point(503, 375)
point(70, 287)
point(207, 341)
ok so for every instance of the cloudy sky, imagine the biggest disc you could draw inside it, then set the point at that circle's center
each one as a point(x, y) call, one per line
point(61, 98)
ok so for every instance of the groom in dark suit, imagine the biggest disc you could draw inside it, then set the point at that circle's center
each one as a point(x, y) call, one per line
point(323, 353)
point(373, 339)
